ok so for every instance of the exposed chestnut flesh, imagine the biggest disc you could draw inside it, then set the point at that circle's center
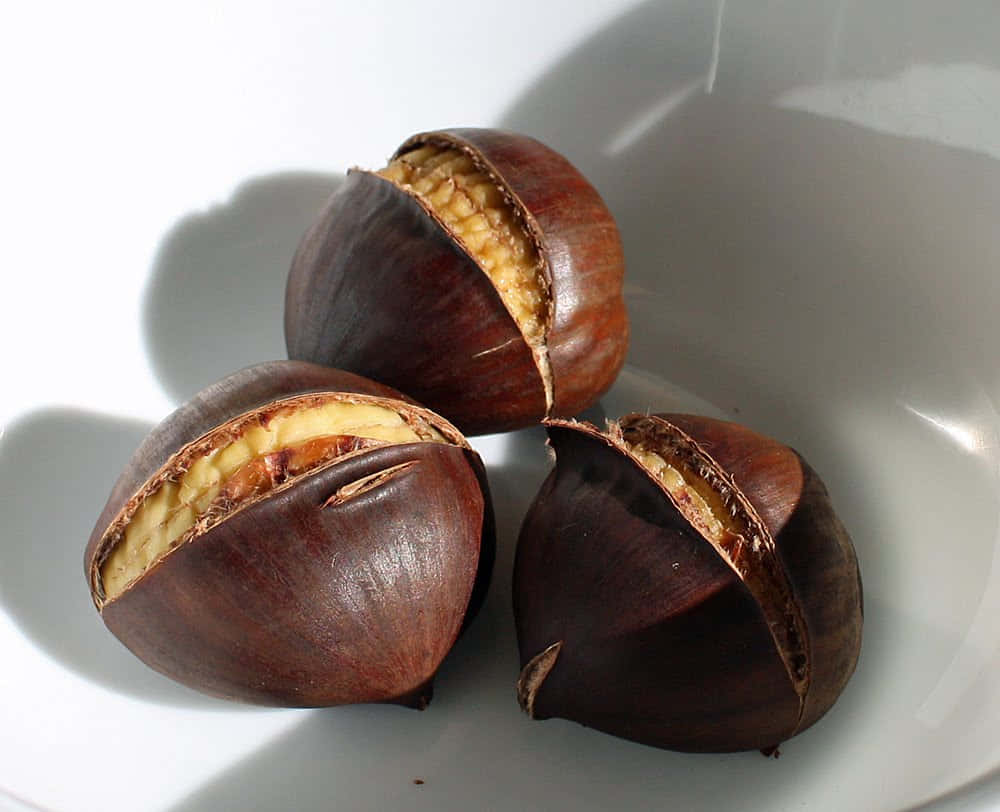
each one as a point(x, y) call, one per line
point(296, 535)
point(478, 272)
point(684, 582)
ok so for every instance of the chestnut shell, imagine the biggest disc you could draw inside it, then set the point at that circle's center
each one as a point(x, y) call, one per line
point(661, 641)
point(379, 287)
point(291, 602)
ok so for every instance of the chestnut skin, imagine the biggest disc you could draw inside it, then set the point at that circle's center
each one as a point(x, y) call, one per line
point(379, 287)
point(629, 621)
point(293, 602)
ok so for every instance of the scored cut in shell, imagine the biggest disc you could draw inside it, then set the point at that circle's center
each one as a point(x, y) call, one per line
point(473, 205)
point(684, 582)
point(478, 271)
point(246, 459)
point(714, 506)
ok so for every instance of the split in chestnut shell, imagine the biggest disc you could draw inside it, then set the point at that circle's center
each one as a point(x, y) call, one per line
point(296, 535)
point(479, 272)
point(684, 582)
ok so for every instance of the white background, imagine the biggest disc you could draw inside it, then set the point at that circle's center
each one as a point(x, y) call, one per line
point(808, 194)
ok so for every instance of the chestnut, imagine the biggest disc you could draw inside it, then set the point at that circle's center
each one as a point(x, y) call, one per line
point(684, 582)
point(296, 535)
point(478, 272)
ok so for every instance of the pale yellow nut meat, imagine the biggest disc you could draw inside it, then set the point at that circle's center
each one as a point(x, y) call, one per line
point(472, 207)
point(175, 507)
point(714, 520)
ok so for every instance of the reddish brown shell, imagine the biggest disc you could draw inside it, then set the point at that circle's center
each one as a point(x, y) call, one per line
point(657, 638)
point(298, 599)
point(377, 286)
point(813, 544)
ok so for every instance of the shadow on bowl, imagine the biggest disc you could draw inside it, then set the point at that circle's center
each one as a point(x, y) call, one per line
point(215, 299)
point(73, 458)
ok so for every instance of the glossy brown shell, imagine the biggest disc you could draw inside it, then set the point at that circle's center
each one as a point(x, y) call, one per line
point(378, 287)
point(662, 642)
point(295, 602)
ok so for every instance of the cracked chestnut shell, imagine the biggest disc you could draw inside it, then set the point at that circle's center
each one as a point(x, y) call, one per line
point(684, 582)
point(296, 536)
point(479, 272)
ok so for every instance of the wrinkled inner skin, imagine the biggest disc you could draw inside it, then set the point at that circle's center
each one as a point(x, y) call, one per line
point(722, 516)
point(266, 450)
point(473, 207)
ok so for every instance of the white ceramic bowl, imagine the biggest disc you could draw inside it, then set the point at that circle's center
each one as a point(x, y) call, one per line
point(808, 194)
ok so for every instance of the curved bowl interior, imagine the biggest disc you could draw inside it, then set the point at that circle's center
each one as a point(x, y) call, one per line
point(808, 195)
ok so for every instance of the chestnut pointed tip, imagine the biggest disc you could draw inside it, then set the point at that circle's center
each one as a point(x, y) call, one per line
point(417, 699)
point(533, 675)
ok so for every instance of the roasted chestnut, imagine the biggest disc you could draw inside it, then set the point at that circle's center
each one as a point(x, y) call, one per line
point(296, 536)
point(478, 272)
point(684, 582)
